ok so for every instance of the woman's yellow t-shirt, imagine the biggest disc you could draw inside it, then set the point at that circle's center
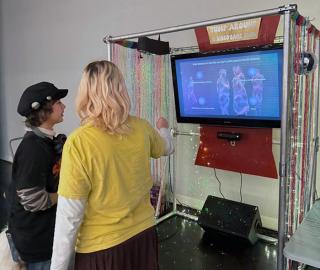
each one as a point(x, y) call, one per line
point(113, 173)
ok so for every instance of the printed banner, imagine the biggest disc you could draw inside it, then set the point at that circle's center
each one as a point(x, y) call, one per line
point(234, 31)
point(252, 32)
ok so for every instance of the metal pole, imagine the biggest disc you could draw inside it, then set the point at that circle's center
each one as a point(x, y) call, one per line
point(192, 217)
point(284, 144)
point(10, 145)
point(183, 27)
point(173, 157)
point(109, 49)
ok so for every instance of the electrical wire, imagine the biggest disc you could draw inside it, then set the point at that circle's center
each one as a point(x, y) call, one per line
point(160, 240)
point(240, 187)
point(215, 174)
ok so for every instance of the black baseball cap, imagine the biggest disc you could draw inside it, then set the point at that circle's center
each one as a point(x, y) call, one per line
point(36, 95)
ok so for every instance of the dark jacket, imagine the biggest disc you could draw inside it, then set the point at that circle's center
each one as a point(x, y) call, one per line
point(35, 164)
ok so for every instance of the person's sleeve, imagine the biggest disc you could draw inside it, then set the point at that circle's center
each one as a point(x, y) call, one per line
point(68, 221)
point(32, 170)
point(74, 181)
point(34, 199)
point(166, 135)
point(159, 146)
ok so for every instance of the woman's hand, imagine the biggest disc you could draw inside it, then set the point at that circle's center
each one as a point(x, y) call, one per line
point(162, 123)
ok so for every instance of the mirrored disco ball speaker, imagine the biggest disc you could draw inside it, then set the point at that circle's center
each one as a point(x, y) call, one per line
point(305, 63)
point(230, 219)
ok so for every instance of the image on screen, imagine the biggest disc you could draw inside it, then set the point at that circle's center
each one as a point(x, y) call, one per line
point(245, 85)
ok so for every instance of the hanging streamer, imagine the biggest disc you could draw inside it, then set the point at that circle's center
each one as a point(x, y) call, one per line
point(147, 80)
point(302, 119)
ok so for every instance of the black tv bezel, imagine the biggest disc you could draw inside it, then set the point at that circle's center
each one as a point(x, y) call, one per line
point(231, 122)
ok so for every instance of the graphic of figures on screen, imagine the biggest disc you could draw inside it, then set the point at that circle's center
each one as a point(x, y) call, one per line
point(257, 91)
point(223, 90)
point(240, 98)
point(191, 97)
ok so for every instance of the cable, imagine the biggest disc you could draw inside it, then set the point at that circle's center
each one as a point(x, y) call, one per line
point(183, 204)
point(215, 173)
point(168, 236)
point(240, 187)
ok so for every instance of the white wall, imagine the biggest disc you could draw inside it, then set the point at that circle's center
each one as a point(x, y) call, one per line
point(2, 111)
point(53, 40)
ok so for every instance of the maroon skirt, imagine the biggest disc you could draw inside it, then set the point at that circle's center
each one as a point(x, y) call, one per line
point(137, 253)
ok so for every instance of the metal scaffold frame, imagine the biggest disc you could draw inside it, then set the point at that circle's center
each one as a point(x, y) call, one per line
point(286, 12)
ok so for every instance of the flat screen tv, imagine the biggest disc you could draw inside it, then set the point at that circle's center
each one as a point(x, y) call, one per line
point(234, 88)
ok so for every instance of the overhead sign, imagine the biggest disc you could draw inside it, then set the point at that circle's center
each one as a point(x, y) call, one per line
point(238, 34)
point(234, 31)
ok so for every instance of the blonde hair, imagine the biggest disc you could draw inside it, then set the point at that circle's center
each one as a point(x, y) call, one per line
point(103, 98)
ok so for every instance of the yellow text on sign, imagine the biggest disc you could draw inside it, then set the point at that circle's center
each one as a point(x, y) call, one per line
point(234, 31)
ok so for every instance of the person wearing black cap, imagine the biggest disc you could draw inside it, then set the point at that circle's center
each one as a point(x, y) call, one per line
point(35, 174)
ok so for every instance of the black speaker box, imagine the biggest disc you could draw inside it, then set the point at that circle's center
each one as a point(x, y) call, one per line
point(230, 219)
point(159, 47)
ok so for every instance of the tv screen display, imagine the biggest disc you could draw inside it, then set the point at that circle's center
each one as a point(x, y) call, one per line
point(234, 88)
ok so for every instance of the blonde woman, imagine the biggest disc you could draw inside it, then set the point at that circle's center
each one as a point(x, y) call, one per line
point(105, 181)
